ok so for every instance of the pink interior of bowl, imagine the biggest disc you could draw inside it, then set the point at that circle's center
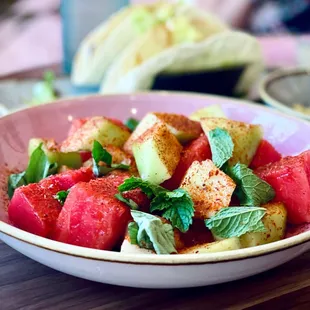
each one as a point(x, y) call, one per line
point(288, 135)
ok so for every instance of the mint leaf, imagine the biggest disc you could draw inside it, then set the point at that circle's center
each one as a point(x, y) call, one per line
point(221, 145)
point(147, 188)
point(144, 241)
point(153, 234)
point(178, 208)
point(62, 196)
point(130, 203)
point(133, 229)
point(38, 168)
point(132, 123)
point(101, 155)
point(15, 181)
point(251, 190)
point(236, 221)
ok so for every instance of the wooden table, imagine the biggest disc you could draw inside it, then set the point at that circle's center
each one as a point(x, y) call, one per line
point(25, 284)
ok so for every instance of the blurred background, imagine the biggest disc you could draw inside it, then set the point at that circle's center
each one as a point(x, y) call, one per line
point(38, 41)
point(39, 33)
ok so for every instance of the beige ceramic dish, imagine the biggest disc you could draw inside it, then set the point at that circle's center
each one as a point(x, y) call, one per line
point(148, 271)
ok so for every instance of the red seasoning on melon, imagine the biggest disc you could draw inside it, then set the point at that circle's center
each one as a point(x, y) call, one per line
point(34, 208)
point(76, 124)
point(290, 178)
point(67, 179)
point(95, 206)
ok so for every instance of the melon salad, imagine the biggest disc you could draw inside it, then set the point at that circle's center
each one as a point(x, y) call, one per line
point(168, 184)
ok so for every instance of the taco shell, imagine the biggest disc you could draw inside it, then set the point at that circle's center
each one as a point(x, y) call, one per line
point(106, 42)
point(225, 49)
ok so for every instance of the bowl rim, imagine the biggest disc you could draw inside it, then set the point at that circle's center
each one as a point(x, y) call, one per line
point(151, 259)
point(276, 75)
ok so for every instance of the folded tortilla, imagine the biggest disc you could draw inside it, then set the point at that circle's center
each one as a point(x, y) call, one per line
point(138, 66)
point(106, 42)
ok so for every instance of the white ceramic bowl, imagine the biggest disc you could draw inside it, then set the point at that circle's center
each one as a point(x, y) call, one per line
point(284, 88)
point(288, 134)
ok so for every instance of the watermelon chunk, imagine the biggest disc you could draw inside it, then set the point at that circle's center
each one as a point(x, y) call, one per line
point(139, 198)
point(85, 155)
point(290, 178)
point(34, 208)
point(116, 178)
point(91, 217)
point(197, 150)
point(76, 124)
point(265, 154)
point(294, 230)
point(198, 233)
point(67, 179)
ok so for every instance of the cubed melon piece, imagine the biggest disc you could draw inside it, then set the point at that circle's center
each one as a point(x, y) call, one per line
point(210, 111)
point(180, 126)
point(34, 209)
point(76, 124)
point(265, 155)
point(290, 179)
point(121, 157)
point(275, 224)
point(210, 188)
point(294, 230)
point(197, 234)
point(92, 217)
point(213, 247)
point(157, 154)
point(68, 178)
point(246, 137)
point(49, 146)
point(51, 149)
point(129, 248)
point(99, 128)
point(198, 149)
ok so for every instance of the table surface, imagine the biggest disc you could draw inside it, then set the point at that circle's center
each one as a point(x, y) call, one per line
point(26, 284)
